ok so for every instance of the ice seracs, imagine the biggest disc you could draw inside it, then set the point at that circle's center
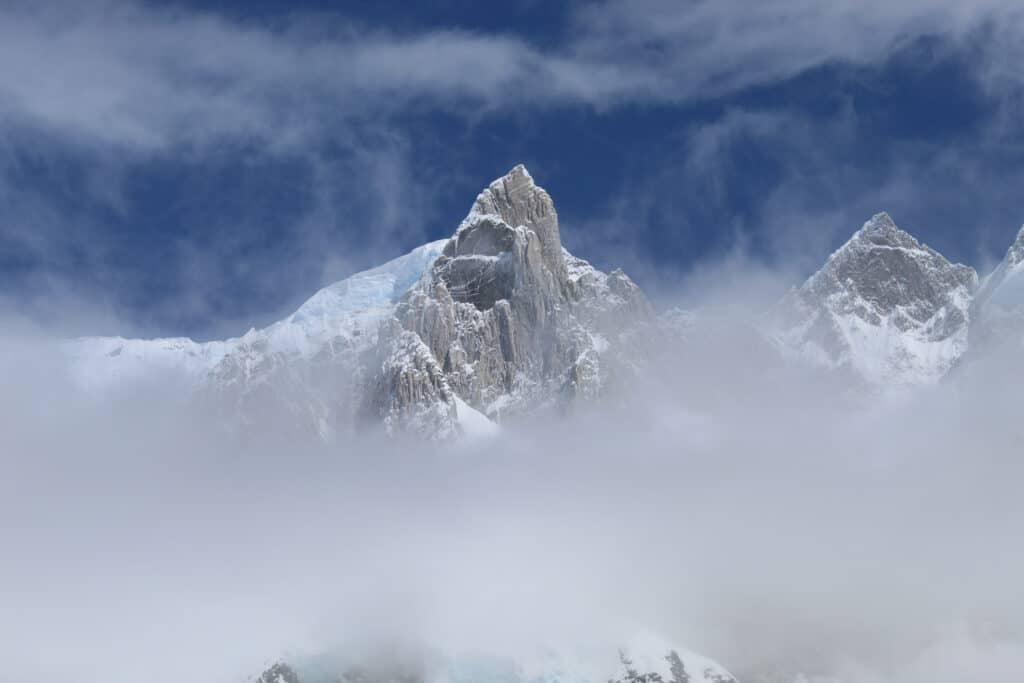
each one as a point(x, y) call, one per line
point(884, 306)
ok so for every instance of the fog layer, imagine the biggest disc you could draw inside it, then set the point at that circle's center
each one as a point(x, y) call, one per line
point(769, 517)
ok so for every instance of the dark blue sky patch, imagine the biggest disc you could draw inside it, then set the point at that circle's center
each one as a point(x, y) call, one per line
point(927, 91)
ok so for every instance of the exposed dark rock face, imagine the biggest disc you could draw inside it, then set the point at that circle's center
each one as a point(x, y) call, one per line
point(883, 271)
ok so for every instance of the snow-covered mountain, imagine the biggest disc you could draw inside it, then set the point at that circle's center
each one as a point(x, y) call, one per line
point(497, 321)
point(301, 372)
point(884, 306)
point(500, 321)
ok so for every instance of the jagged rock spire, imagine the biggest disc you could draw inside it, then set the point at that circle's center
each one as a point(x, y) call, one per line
point(508, 248)
point(510, 323)
point(518, 201)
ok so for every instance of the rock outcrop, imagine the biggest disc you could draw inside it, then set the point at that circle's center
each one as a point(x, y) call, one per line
point(513, 320)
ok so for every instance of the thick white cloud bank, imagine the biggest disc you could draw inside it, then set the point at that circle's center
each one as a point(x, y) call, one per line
point(757, 514)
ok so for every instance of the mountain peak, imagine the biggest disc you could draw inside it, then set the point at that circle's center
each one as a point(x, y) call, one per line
point(499, 310)
point(510, 190)
point(509, 203)
point(880, 256)
point(881, 230)
point(888, 306)
point(518, 201)
point(519, 170)
point(881, 222)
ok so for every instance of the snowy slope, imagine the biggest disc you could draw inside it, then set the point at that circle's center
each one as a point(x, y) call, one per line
point(348, 312)
point(1004, 287)
point(474, 424)
point(352, 307)
point(998, 309)
point(102, 362)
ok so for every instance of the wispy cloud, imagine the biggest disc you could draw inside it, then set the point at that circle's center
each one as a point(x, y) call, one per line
point(135, 75)
point(118, 85)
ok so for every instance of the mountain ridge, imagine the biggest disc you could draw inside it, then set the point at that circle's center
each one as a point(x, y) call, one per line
point(500, 321)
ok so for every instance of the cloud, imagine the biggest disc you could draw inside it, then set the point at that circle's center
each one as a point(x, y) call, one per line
point(763, 185)
point(753, 511)
point(135, 75)
point(140, 77)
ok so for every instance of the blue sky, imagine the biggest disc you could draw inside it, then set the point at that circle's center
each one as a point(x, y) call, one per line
point(199, 168)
